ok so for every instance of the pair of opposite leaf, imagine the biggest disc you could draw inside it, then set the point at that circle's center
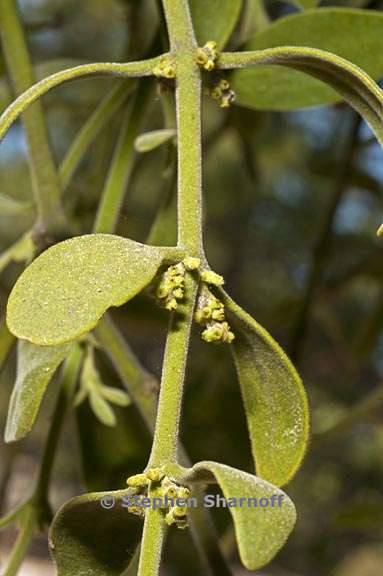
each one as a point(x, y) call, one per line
point(64, 293)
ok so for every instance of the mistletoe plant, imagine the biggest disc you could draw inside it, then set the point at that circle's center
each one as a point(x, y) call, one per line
point(65, 293)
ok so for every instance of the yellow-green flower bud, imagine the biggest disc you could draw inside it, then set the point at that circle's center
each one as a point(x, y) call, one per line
point(180, 511)
point(224, 84)
point(191, 263)
point(138, 480)
point(218, 314)
point(178, 293)
point(212, 278)
point(183, 492)
point(155, 474)
point(171, 305)
point(162, 291)
point(207, 55)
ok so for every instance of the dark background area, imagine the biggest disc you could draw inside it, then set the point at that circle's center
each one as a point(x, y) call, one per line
point(292, 204)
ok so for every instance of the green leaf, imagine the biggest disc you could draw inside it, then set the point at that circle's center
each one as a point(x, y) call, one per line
point(260, 531)
point(89, 540)
point(152, 140)
point(215, 19)
point(355, 35)
point(101, 409)
point(66, 290)
point(115, 396)
point(274, 398)
point(36, 366)
point(6, 342)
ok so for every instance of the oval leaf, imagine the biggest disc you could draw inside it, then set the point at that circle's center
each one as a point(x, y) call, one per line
point(260, 531)
point(66, 290)
point(88, 538)
point(102, 410)
point(331, 29)
point(152, 140)
point(274, 398)
point(36, 366)
point(115, 396)
point(214, 20)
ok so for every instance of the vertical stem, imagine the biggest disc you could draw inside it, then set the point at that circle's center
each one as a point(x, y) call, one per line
point(188, 98)
point(164, 448)
point(189, 158)
point(45, 180)
point(151, 545)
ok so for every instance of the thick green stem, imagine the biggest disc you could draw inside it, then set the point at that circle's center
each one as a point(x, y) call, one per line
point(122, 164)
point(164, 448)
point(151, 545)
point(188, 98)
point(141, 388)
point(45, 181)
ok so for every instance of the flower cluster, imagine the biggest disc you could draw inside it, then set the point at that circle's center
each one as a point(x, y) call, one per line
point(171, 289)
point(156, 485)
point(211, 312)
point(165, 69)
point(207, 56)
point(223, 93)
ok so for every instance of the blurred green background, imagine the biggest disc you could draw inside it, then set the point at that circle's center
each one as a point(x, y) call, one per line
point(292, 204)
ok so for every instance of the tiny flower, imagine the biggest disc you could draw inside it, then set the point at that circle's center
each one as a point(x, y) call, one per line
point(138, 480)
point(212, 278)
point(165, 69)
point(207, 56)
point(191, 263)
point(155, 474)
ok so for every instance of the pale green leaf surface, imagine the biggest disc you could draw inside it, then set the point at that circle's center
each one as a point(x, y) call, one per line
point(89, 540)
point(274, 398)
point(260, 532)
point(152, 140)
point(66, 290)
point(215, 19)
point(101, 409)
point(115, 396)
point(36, 366)
point(355, 35)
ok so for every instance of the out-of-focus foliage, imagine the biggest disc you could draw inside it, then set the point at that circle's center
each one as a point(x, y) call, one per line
point(270, 181)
